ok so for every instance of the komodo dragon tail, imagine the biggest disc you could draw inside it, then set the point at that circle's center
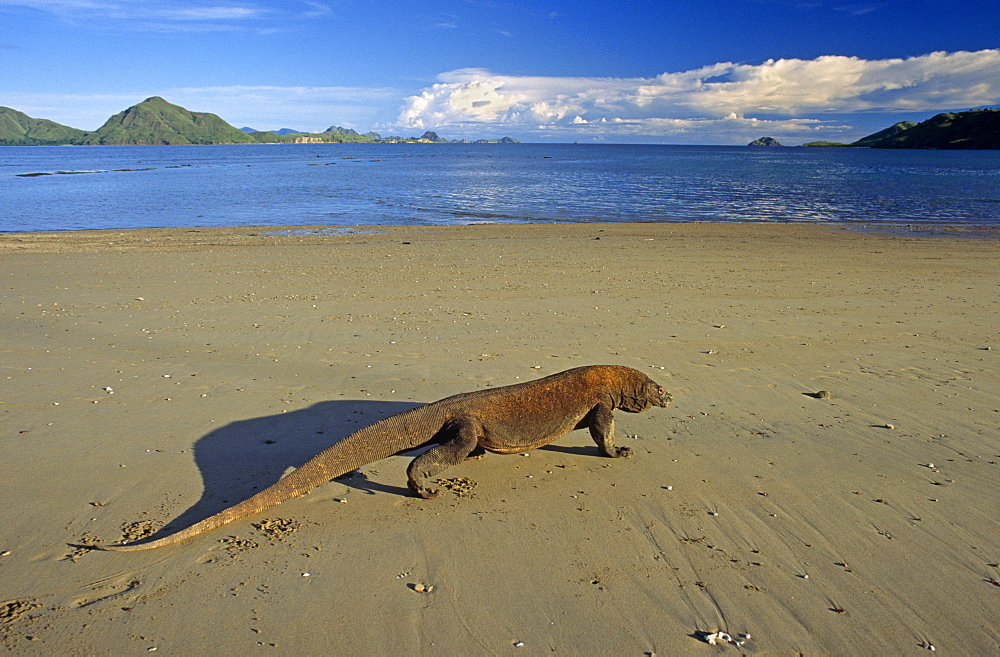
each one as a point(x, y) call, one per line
point(386, 437)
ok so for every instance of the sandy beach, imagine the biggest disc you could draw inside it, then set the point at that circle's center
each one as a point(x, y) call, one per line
point(151, 378)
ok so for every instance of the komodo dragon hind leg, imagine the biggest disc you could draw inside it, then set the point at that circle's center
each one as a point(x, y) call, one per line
point(601, 423)
point(460, 440)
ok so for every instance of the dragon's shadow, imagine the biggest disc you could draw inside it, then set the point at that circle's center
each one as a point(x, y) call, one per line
point(246, 456)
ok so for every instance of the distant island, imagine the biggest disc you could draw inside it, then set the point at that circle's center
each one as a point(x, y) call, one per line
point(764, 141)
point(155, 122)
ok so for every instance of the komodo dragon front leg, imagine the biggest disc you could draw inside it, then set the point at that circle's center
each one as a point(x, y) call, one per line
point(601, 423)
point(460, 440)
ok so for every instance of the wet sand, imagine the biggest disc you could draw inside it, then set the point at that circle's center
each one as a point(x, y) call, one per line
point(152, 377)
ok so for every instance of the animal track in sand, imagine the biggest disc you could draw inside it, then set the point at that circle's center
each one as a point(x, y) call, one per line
point(277, 528)
point(461, 486)
point(12, 613)
point(106, 592)
point(139, 529)
point(11, 610)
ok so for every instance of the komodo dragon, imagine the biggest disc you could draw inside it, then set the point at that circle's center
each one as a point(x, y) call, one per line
point(505, 420)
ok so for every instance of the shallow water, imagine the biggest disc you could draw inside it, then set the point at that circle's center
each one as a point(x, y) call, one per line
point(63, 188)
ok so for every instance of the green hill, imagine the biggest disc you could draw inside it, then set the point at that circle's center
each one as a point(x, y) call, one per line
point(19, 129)
point(870, 140)
point(975, 129)
point(888, 133)
point(979, 129)
point(154, 121)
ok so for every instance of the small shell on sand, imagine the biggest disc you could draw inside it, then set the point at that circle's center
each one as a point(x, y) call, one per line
point(823, 394)
point(717, 638)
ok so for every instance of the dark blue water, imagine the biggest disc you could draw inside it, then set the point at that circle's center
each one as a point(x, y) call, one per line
point(413, 184)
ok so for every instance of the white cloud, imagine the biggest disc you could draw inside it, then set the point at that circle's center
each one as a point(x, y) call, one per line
point(208, 13)
point(144, 14)
point(63, 6)
point(724, 96)
point(858, 8)
point(141, 11)
point(317, 9)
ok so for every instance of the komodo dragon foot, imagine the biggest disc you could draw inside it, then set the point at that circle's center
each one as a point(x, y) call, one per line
point(423, 491)
point(618, 451)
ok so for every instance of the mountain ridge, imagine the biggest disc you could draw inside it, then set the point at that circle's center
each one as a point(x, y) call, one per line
point(155, 122)
point(19, 129)
point(976, 129)
point(969, 130)
point(281, 132)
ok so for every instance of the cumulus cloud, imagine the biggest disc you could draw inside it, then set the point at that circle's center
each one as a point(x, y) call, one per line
point(776, 93)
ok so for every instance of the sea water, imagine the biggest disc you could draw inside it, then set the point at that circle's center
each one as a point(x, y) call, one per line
point(79, 187)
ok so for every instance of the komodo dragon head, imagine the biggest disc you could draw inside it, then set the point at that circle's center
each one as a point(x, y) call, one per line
point(644, 393)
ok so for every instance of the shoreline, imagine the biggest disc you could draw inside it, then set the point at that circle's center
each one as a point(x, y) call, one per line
point(155, 375)
point(896, 229)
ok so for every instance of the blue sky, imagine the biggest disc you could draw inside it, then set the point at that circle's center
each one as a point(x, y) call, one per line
point(690, 71)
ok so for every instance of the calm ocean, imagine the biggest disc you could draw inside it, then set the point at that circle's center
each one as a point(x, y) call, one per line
point(414, 184)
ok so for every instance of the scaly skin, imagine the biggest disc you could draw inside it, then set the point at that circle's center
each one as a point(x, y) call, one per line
point(506, 420)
